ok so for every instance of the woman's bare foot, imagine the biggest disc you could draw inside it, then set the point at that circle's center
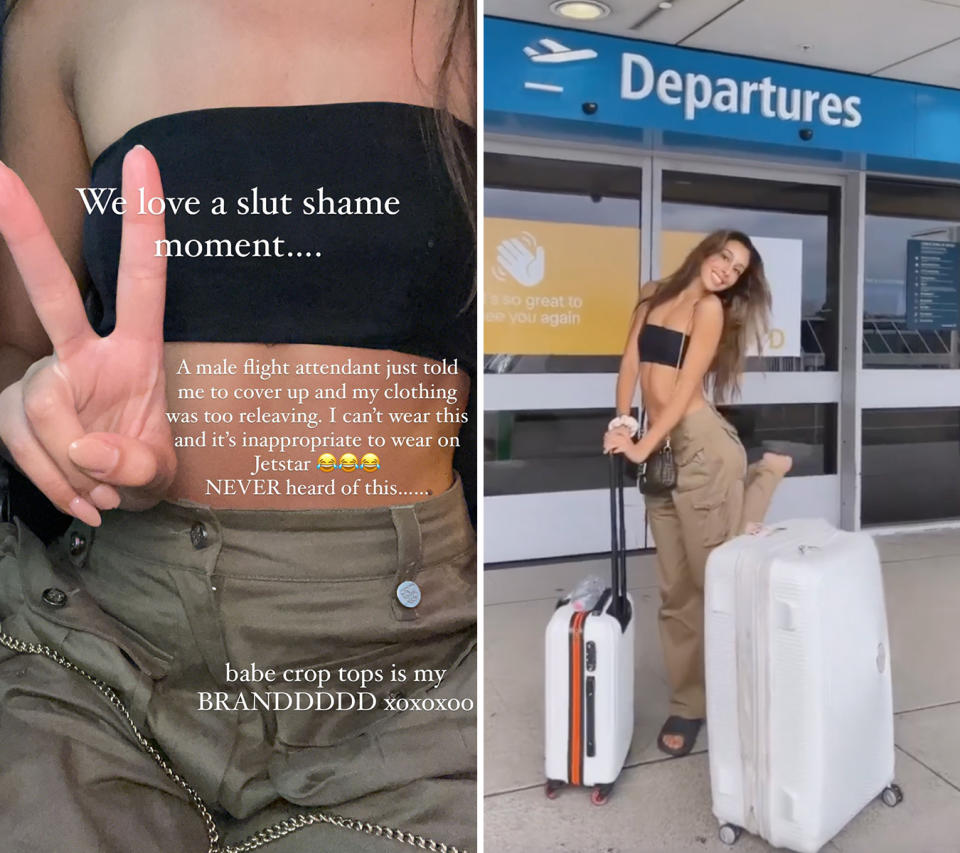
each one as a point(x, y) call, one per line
point(778, 462)
point(678, 735)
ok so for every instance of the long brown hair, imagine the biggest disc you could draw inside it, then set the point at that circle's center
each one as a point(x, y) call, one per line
point(746, 308)
point(459, 155)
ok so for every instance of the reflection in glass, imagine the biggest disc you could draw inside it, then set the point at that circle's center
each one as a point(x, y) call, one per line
point(899, 211)
point(529, 452)
point(911, 465)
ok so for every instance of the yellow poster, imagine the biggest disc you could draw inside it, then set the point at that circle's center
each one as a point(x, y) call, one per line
point(558, 288)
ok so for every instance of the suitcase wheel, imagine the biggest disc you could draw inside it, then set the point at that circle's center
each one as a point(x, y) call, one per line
point(730, 833)
point(600, 794)
point(551, 788)
point(892, 796)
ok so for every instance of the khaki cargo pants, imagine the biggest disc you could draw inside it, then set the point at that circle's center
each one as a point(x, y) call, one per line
point(157, 604)
point(716, 496)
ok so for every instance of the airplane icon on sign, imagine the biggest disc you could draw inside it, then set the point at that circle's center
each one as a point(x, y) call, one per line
point(555, 52)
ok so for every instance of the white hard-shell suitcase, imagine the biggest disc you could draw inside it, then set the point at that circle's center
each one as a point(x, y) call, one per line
point(799, 699)
point(589, 677)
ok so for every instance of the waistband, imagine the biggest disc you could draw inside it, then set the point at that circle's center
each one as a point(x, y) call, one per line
point(314, 545)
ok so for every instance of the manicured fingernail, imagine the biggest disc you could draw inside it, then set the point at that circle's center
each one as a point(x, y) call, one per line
point(136, 170)
point(105, 497)
point(85, 511)
point(94, 456)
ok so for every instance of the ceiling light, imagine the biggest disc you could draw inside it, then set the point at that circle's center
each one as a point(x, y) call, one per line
point(665, 4)
point(582, 10)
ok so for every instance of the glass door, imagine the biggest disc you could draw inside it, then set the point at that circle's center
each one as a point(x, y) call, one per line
point(791, 391)
point(562, 265)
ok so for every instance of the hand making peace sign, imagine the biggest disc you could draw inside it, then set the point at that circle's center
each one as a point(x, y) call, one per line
point(88, 424)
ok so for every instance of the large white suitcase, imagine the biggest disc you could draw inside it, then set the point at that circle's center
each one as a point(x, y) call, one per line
point(589, 677)
point(799, 700)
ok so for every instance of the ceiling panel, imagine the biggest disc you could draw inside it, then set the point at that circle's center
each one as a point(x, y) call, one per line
point(939, 67)
point(683, 18)
point(913, 40)
point(850, 35)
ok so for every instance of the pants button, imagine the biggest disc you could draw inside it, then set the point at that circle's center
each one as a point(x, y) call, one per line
point(408, 594)
point(77, 544)
point(54, 597)
point(198, 535)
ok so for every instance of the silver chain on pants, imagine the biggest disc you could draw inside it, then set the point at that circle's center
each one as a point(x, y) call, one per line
point(264, 836)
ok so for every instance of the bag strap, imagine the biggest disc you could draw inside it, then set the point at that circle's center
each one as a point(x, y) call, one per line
point(676, 379)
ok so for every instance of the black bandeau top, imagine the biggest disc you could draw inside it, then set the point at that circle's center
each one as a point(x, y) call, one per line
point(660, 345)
point(402, 282)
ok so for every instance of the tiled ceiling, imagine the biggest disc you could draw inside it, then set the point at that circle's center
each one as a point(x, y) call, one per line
point(915, 40)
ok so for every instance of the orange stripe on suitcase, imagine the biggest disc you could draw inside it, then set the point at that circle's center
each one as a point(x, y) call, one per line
point(575, 774)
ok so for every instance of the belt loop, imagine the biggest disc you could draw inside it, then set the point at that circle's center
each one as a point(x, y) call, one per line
point(406, 593)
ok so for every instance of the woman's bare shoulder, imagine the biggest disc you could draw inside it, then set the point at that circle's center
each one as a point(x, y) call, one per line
point(708, 314)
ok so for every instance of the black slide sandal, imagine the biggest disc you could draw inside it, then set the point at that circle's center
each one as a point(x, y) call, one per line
point(682, 727)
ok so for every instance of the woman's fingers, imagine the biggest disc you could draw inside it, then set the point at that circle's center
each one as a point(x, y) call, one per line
point(122, 461)
point(49, 283)
point(615, 441)
point(142, 275)
point(36, 464)
point(49, 413)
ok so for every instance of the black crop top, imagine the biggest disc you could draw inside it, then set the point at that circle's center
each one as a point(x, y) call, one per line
point(660, 345)
point(401, 282)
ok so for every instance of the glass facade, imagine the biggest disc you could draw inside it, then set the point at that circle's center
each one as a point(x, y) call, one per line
point(911, 465)
point(898, 211)
point(909, 441)
point(785, 211)
point(531, 452)
point(560, 192)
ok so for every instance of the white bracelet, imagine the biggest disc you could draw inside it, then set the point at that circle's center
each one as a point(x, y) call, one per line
point(625, 420)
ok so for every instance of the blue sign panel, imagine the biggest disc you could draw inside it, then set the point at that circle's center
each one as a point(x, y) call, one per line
point(933, 284)
point(534, 73)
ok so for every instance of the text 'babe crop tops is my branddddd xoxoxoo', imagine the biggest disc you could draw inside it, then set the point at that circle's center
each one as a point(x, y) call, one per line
point(400, 281)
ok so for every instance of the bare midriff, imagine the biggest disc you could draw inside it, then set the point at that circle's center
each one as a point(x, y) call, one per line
point(657, 386)
point(250, 434)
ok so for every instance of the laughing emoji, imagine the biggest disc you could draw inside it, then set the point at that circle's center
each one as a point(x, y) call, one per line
point(327, 462)
point(370, 462)
point(348, 462)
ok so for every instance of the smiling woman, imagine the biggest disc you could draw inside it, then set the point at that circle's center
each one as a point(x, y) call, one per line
point(176, 416)
point(691, 328)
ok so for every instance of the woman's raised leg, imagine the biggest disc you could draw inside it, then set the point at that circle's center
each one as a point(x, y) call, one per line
point(761, 482)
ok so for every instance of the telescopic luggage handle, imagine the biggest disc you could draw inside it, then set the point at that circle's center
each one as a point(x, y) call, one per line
point(618, 540)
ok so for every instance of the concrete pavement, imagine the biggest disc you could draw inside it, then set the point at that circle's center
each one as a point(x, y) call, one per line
point(662, 805)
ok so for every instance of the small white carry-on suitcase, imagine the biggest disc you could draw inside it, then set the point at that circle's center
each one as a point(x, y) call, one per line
point(799, 700)
point(589, 676)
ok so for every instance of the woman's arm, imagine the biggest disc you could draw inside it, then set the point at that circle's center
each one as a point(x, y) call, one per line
point(630, 362)
point(41, 141)
point(87, 424)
